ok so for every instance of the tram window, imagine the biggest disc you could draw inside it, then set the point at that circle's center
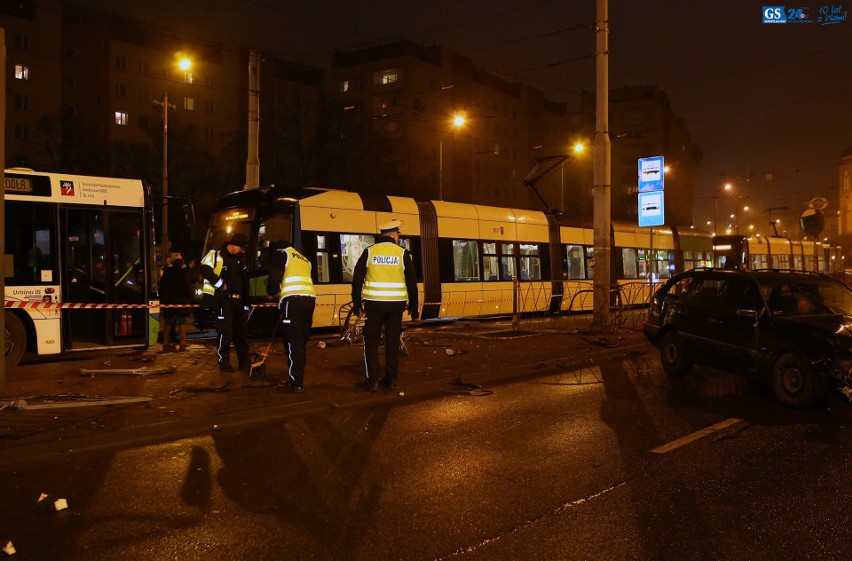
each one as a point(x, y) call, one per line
point(412, 244)
point(530, 261)
point(465, 260)
point(271, 233)
point(797, 262)
point(635, 263)
point(664, 263)
point(783, 262)
point(351, 248)
point(323, 267)
point(576, 262)
point(590, 261)
point(490, 261)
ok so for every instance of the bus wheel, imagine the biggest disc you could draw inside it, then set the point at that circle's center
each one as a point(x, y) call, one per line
point(16, 340)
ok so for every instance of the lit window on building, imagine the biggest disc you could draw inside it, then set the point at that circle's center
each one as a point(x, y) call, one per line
point(188, 103)
point(121, 118)
point(344, 86)
point(22, 72)
point(386, 77)
point(188, 78)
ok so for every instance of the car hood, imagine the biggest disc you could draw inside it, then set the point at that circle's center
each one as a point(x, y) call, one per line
point(837, 324)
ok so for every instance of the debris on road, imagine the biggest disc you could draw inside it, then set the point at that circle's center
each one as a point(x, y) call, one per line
point(8, 549)
point(455, 352)
point(142, 371)
point(199, 389)
point(46, 502)
point(67, 400)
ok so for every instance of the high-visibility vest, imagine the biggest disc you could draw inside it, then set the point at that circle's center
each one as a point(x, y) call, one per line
point(385, 273)
point(214, 260)
point(297, 276)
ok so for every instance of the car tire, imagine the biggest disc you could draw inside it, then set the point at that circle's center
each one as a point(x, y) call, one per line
point(672, 357)
point(16, 340)
point(794, 382)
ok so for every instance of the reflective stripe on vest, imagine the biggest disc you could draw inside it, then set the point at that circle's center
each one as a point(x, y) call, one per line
point(297, 276)
point(214, 260)
point(385, 273)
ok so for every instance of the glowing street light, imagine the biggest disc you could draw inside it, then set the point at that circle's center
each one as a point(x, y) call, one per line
point(184, 64)
point(457, 122)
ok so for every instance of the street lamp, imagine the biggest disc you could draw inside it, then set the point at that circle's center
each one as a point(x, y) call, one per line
point(457, 122)
point(184, 64)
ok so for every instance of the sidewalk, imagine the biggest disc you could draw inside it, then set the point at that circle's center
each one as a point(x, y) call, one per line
point(184, 392)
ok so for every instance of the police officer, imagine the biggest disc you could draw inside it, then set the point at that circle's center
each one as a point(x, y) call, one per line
point(225, 289)
point(384, 279)
point(290, 281)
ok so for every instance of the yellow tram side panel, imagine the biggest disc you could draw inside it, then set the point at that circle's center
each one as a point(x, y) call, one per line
point(460, 221)
point(637, 291)
point(342, 211)
point(532, 227)
point(576, 293)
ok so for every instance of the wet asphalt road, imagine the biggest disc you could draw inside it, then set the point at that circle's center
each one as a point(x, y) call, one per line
point(552, 467)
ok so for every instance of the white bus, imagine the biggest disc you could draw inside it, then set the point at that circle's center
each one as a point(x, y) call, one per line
point(77, 273)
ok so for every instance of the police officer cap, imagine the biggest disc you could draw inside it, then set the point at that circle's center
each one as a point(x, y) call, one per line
point(239, 240)
point(391, 226)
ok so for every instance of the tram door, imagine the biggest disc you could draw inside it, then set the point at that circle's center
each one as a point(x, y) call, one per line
point(102, 264)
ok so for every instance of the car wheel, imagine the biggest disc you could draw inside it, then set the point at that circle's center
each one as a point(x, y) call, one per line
point(794, 382)
point(672, 358)
point(16, 340)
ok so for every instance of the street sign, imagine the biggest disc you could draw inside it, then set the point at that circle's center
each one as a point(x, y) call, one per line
point(651, 211)
point(651, 174)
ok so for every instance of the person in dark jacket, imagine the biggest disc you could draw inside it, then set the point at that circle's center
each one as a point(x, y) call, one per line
point(384, 279)
point(225, 289)
point(175, 289)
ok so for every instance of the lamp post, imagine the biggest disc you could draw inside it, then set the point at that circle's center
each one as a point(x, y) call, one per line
point(184, 64)
point(457, 122)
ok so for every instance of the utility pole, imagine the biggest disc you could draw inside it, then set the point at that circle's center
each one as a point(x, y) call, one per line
point(253, 160)
point(3, 202)
point(603, 172)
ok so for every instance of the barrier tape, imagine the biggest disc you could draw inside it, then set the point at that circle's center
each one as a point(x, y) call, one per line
point(94, 306)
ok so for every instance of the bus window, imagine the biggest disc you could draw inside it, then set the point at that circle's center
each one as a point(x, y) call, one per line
point(576, 262)
point(30, 252)
point(127, 255)
point(351, 248)
point(465, 260)
point(530, 261)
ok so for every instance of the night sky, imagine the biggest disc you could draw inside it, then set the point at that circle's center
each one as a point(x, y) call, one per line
point(770, 105)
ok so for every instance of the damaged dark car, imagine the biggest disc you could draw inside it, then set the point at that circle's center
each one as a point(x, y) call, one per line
point(792, 330)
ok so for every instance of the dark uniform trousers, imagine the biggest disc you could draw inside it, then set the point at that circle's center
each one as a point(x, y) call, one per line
point(389, 315)
point(232, 327)
point(297, 315)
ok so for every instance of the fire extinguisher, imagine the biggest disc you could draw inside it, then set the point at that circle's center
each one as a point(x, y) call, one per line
point(126, 325)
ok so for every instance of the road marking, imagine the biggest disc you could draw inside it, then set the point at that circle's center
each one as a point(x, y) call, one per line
point(695, 436)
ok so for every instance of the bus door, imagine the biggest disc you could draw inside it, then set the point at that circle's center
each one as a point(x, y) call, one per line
point(102, 262)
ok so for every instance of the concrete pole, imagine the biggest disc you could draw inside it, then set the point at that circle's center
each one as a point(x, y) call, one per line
point(3, 203)
point(602, 188)
point(253, 160)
